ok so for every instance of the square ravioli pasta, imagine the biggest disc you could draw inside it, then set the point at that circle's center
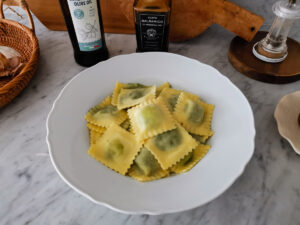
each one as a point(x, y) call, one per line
point(116, 149)
point(131, 97)
point(171, 146)
point(120, 86)
point(104, 114)
point(150, 118)
point(148, 133)
point(146, 167)
point(194, 115)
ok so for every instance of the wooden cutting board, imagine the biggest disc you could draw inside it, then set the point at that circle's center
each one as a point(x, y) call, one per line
point(49, 13)
point(189, 17)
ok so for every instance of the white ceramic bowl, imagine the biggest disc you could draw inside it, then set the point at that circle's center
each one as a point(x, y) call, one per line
point(232, 144)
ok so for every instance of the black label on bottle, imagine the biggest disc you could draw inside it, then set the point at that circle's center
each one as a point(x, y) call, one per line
point(152, 31)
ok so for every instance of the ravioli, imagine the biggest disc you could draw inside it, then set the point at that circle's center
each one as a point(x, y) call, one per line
point(133, 96)
point(148, 133)
point(120, 86)
point(105, 114)
point(146, 167)
point(150, 118)
point(191, 159)
point(171, 146)
point(116, 149)
point(194, 115)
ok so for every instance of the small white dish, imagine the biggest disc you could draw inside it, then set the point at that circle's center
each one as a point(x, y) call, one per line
point(286, 115)
point(232, 143)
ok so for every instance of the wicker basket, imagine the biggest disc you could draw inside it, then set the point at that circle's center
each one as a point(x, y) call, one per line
point(23, 39)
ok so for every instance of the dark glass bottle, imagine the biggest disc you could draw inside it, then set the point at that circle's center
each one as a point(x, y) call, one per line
point(152, 19)
point(84, 22)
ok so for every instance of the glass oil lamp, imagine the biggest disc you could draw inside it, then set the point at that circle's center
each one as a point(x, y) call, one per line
point(273, 47)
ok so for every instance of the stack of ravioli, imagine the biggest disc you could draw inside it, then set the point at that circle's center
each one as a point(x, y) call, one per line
point(149, 133)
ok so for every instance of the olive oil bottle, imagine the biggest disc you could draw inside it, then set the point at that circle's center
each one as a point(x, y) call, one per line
point(84, 22)
point(152, 19)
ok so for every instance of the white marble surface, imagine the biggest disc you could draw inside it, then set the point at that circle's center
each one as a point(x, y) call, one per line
point(31, 192)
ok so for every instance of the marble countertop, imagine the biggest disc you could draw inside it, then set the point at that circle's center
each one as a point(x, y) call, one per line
point(31, 192)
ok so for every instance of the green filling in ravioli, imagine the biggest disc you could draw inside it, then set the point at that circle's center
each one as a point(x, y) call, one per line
point(146, 162)
point(168, 140)
point(195, 112)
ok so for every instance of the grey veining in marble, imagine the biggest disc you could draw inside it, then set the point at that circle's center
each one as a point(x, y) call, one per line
point(31, 192)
